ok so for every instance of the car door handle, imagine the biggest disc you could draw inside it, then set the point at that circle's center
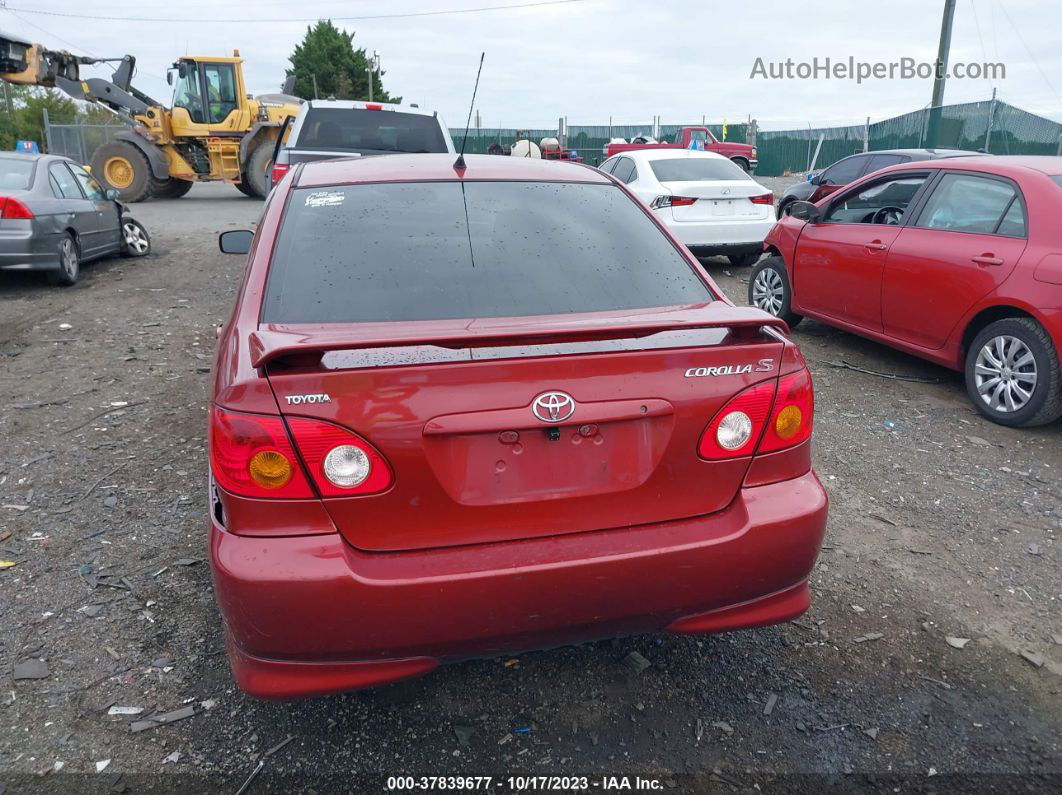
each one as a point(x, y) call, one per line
point(875, 245)
point(987, 259)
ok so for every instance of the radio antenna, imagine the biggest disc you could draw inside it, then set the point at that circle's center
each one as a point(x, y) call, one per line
point(460, 162)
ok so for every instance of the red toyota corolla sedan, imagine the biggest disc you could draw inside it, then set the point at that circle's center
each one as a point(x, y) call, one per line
point(958, 261)
point(460, 412)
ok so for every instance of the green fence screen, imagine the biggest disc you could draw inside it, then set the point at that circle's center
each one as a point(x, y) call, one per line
point(992, 126)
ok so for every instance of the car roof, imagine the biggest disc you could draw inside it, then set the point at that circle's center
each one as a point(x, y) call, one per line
point(1000, 164)
point(351, 104)
point(437, 167)
point(925, 154)
point(648, 155)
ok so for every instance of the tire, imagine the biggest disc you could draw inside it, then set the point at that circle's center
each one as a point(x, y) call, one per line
point(120, 165)
point(69, 261)
point(741, 162)
point(783, 208)
point(135, 239)
point(171, 188)
point(769, 290)
point(744, 260)
point(245, 190)
point(1027, 365)
point(255, 178)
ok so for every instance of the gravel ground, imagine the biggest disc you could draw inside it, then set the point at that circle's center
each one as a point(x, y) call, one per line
point(942, 526)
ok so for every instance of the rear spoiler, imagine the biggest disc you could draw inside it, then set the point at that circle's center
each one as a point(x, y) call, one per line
point(269, 344)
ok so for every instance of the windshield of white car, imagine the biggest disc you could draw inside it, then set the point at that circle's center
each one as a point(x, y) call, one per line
point(697, 169)
point(15, 174)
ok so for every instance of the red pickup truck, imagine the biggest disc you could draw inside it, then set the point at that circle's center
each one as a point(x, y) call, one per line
point(742, 154)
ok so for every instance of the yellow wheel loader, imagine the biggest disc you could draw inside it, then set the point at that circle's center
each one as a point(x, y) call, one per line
point(213, 131)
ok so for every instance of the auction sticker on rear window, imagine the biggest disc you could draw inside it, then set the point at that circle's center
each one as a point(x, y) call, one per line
point(325, 198)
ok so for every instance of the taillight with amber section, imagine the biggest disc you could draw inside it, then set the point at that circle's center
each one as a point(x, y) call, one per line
point(252, 455)
point(762, 419)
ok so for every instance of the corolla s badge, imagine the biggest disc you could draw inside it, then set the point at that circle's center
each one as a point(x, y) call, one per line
point(553, 406)
point(762, 366)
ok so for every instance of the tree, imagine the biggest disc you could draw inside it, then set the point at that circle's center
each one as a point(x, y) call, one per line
point(341, 70)
point(25, 120)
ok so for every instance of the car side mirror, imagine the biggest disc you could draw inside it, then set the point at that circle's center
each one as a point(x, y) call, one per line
point(169, 77)
point(111, 194)
point(804, 211)
point(235, 241)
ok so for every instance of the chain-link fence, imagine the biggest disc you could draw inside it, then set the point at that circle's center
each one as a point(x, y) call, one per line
point(78, 141)
point(588, 140)
point(991, 126)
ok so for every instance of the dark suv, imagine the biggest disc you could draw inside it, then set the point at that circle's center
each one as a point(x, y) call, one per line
point(851, 168)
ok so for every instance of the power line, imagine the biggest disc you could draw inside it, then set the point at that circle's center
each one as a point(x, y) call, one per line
point(362, 18)
point(1032, 57)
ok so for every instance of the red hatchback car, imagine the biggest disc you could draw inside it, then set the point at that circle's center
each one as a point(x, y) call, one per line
point(460, 412)
point(958, 261)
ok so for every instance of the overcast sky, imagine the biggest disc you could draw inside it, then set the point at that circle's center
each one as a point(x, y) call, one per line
point(592, 59)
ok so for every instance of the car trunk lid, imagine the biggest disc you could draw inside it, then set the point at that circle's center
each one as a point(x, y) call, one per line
point(474, 418)
point(718, 200)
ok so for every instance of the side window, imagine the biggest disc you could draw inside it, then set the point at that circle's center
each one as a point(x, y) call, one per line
point(624, 169)
point(884, 161)
point(609, 164)
point(634, 173)
point(62, 180)
point(221, 91)
point(88, 184)
point(1013, 222)
point(967, 203)
point(844, 171)
point(186, 94)
point(883, 202)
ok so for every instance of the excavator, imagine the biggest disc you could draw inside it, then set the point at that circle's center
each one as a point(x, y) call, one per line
point(213, 131)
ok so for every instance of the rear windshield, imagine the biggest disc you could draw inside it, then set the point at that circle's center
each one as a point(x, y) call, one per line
point(370, 131)
point(696, 169)
point(15, 174)
point(433, 250)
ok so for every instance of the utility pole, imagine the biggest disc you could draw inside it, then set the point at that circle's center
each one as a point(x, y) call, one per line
point(313, 77)
point(374, 67)
point(941, 70)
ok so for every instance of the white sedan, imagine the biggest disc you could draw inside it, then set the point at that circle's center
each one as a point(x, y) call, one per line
point(707, 202)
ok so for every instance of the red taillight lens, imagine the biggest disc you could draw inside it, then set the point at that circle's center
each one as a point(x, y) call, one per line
point(739, 425)
point(14, 210)
point(373, 106)
point(767, 198)
point(279, 170)
point(251, 456)
point(793, 414)
point(736, 427)
point(341, 463)
point(671, 201)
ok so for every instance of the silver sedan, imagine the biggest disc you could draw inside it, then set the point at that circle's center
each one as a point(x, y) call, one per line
point(54, 216)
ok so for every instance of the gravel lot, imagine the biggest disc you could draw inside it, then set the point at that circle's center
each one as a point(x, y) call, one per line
point(942, 526)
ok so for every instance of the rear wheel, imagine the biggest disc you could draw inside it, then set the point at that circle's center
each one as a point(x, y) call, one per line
point(745, 260)
point(769, 290)
point(122, 166)
point(69, 263)
point(1013, 375)
point(245, 190)
point(255, 177)
point(171, 188)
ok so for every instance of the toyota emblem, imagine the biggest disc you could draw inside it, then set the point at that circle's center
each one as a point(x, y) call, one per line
point(553, 406)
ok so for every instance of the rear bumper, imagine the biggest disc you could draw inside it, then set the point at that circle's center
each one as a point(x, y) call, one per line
point(22, 250)
point(311, 615)
point(723, 237)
